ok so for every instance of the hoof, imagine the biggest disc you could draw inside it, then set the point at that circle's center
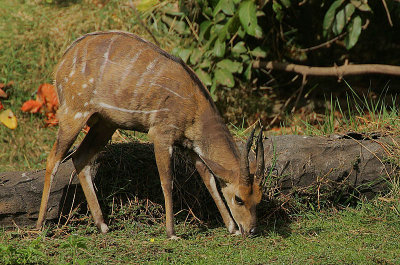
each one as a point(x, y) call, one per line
point(103, 228)
point(174, 237)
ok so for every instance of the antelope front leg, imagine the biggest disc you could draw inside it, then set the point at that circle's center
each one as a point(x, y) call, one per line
point(163, 155)
point(209, 181)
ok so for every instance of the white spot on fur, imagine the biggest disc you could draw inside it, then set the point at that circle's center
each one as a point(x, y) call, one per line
point(85, 105)
point(84, 86)
point(91, 80)
point(73, 97)
point(72, 73)
point(170, 150)
point(86, 113)
point(79, 94)
point(78, 115)
point(197, 149)
point(107, 106)
point(65, 79)
point(95, 91)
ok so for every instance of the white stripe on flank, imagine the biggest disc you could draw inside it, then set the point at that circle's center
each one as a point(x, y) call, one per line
point(84, 58)
point(169, 90)
point(149, 68)
point(130, 65)
point(74, 63)
point(105, 56)
point(58, 68)
point(107, 106)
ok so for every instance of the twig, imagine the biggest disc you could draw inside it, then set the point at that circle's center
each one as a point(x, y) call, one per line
point(141, 22)
point(387, 13)
point(323, 44)
point(339, 71)
point(303, 83)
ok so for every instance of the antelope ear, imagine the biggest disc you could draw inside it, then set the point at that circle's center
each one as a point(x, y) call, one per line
point(217, 170)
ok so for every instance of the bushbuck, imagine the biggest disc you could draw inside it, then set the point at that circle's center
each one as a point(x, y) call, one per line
point(111, 80)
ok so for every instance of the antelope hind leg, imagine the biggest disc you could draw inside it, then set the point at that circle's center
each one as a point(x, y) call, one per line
point(94, 141)
point(64, 141)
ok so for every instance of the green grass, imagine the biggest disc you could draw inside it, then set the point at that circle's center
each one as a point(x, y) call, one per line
point(367, 234)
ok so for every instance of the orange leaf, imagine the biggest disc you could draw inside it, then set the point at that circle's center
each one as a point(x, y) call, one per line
point(47, 94)
point(51, 119)
point(32, 106)
point(3, 94)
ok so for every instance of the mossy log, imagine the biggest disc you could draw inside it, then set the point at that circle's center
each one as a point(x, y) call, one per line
point(292, 163)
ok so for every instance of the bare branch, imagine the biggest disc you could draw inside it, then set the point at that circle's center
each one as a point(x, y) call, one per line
point(339, 71)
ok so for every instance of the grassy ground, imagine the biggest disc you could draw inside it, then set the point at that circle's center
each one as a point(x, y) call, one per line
point(33, 35)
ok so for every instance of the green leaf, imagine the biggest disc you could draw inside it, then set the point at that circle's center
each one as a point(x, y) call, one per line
point(259, 52)
point(178, 26)
point(241, 32)
point(183, 53)
point(204, 77)
point(231, 27)
point(231, 66)
point(248, 17)
point(278, 10)
point(247, 73)
point(239, 48)
point(145, 5)
point(342, 18)
point(330, 16)
point(354, 32)
point(227, 6)
point(286, 3)
point(361, 5)
point(204, 29)
point(219, 48)
point(224, 77)
point(212, 90)
point(195, 56)
point(205, 64)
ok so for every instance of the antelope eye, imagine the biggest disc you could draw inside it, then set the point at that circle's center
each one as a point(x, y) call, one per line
point(238, 200)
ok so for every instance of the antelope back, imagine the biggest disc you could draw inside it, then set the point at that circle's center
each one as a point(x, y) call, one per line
point(128, 81)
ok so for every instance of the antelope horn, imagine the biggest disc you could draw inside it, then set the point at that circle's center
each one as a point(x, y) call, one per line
point(244, 159)
point(260, 155)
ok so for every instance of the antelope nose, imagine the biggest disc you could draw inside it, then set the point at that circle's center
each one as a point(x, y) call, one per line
point(253, 231)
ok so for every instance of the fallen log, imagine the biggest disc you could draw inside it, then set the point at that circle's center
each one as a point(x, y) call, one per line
point(293, 162)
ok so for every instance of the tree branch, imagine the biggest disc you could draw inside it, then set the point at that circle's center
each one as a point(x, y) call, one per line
point(339, 71)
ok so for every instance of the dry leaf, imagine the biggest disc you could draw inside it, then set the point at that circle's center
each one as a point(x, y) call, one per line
point(8, 118)
point(3, 94)
point(47, 100)
point(47, 94)
point(32, 106)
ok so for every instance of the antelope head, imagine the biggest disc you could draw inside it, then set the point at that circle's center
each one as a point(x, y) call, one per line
point(241, 189)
